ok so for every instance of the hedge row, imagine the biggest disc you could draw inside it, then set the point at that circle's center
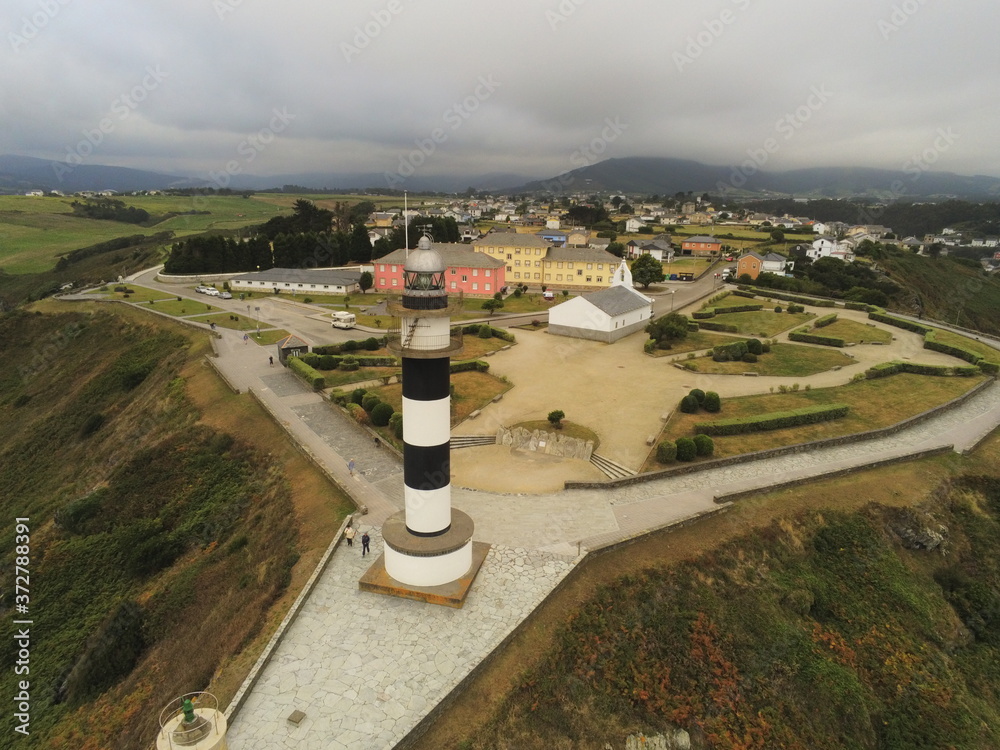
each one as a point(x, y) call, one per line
point(717, 327)
point(803, 335)
point(307, 373)
point(743, 293)
point(333, 362)
point(369, 344)
point(885, 369)
point(497, 333)
point(470, 364)
point(773, 294)
point(825, 320)
point(712, 312)
point(774, 421)
point(930, 341)
point(859, 306)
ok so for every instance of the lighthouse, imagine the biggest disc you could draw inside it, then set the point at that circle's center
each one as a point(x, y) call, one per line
point(429, 544)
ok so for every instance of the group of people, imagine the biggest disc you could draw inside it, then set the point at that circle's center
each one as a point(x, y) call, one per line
point(350, 532)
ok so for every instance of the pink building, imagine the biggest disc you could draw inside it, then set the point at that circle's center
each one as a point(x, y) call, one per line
point(474, 274)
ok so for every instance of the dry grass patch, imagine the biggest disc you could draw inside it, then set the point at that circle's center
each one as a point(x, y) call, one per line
point(852, 331)
point(874, 404)
point(785, 360)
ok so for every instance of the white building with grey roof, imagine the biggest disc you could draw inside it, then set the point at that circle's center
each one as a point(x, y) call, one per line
point(606, 315)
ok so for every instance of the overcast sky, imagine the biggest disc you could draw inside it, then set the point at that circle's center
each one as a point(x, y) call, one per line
point(533, 87)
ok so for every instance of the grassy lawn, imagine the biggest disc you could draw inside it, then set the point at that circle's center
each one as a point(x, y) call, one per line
point(697, 341)
point(954, 339)
point(852, 331)
point(270, 336)
point(526, 303)
point(185, 307)
point(730, 300)
point(139, 294)
point(571, 429)
point(874, 404)
point(225, 320)
point(473, 390)
point(763, 323)
point(340, 378)
point(475, 347)
point(787, 360)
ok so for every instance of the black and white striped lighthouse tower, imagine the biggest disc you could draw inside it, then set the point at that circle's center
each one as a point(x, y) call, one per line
point(429, 543)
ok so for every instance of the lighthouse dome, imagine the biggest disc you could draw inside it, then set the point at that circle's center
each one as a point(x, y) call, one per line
point(424, 259)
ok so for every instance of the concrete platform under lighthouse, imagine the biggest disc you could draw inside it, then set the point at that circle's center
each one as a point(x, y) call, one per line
point(397, 537)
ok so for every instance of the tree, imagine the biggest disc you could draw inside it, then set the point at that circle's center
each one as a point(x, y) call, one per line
point(616, 248)
point(366, 281)
point(647, 270)
point(556, 417)
point(360, 245)
point(668, 329)
point(777, 236)
point(492, 304)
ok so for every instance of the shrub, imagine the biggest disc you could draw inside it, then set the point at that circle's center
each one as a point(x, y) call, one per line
point(349, 364)
point(704, 445)
point(369, 402)
point(699, 395)
point(396, 424)
point(381, 414)
point(686, 449)
point(666, 452)
point(307, 300)
point(556, 417)
point(774, 420)
point(307, 373)
point(358, 413)
point(370, 344)
point(749, 357)
point(825, 320)
point(755, 347)
point(350, 346)
point(765, 347)
point(712, 402)
point(357, 395)
point(649, 347)
point(327, 362)
point(777, 308)
point(689, 404)
point(485, 332)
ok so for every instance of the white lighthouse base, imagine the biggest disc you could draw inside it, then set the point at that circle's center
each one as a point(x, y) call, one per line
point(438, 569)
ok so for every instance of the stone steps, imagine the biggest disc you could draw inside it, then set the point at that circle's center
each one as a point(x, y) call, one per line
point(470, 441)
point(609, 467)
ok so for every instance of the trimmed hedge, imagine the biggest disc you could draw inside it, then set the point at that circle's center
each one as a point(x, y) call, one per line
point(666, 452)
point(774, 421)
point(497, 333)
point(858, 306)
point(743, 293)
point(713, 311)
point(369, 344)
point(775, 294)
point(307, 373)
point(381, 414)
point(470, 364)
point(803, 335)
point(686, 449)
point(931, 342)
point(703, 314)
point(825, 320)
point(726, 327)
point(885, 369)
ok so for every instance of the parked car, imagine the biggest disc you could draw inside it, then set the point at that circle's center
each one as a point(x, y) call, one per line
point(225, 295)
point(201, 289)
point(211, 292)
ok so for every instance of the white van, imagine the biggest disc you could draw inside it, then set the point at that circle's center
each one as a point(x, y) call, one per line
point(343, 319)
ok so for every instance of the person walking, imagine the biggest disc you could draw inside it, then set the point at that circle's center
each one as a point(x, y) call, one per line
point(271, 361)
point(350, 466)
point(349, 533)
point(246, 338)
point(365, 541)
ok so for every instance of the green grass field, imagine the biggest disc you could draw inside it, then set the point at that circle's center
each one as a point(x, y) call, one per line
point(696, 341)
point(785, 360)
point(874, 404)
point(853, 332)
point(763, 323)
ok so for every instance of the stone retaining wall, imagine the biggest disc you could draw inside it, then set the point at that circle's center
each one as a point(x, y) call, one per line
point(552, 443)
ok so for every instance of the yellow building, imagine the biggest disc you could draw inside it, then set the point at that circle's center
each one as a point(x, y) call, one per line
point(534, 261)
